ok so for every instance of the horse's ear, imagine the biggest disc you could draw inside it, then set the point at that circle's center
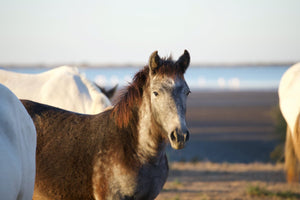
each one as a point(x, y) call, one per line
point(108, 93)
point(184, 61)
point(112, 91)
point(154, 61)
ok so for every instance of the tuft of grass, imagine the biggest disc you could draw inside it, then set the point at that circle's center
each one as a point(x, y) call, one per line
point(177, 182)
point(287, 195)
point(204, 196)
point(177, 198)
point(257, 191)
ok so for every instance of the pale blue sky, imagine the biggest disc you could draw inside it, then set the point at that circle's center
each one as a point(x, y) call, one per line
point(118, 31)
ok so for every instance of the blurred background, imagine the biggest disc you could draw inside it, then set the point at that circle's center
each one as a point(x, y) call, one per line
point(239, 51)
point(233, 45)
point(115, 32)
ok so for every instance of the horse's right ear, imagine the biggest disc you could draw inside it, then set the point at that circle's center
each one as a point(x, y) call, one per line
point(154, 62)
point(184, 61)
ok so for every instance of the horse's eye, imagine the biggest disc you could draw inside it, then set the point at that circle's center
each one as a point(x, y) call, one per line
point(155, 93)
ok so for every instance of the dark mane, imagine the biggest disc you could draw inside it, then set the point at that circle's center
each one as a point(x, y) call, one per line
point(169, 68)
point(131, 97)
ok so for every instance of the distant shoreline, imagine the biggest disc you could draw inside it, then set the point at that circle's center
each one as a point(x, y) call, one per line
point(199, 78)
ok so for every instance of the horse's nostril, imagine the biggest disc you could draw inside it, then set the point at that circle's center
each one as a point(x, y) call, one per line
point(173, 137)
point(187, 136)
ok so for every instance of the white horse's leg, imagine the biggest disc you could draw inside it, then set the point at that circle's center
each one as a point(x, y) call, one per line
point(291, 162)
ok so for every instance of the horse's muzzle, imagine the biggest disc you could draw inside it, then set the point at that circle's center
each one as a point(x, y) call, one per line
point(178, 138)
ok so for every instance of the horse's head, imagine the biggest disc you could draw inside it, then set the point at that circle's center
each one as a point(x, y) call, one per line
point(168, 94)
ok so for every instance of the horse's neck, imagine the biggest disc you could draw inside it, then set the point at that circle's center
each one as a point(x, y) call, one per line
point(151, 142)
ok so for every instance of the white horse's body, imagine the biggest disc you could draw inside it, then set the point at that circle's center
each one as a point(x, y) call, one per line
point(17, 148)
point(61, 87)
point(289, 95)
point(289, 100)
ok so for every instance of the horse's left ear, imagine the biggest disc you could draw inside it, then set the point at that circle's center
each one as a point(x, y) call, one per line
point(154, 62)
point(184, 61)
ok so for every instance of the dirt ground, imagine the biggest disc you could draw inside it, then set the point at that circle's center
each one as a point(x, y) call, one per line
point(228, 155)
point(225, 181)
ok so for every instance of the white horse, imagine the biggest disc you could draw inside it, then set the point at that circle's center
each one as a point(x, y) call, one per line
point(17, 148)
point(289, 100)
point(61, 87)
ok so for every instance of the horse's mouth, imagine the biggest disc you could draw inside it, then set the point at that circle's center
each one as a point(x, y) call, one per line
point(178, 139)
point(177, 145)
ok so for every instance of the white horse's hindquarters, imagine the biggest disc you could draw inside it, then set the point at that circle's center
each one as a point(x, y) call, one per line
point(290, 112)
point(289, 95)
point(10, 168)
point(17, 148)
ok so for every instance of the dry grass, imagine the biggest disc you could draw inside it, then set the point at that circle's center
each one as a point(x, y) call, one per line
point(257, 191)
point(211, 181)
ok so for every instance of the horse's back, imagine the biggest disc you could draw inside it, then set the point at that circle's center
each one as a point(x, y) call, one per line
point(68, 141)
point(24, 86)
point(52, 87)
point(17, 148)
point(62, 87)
point(289, 95)
point(65, 89)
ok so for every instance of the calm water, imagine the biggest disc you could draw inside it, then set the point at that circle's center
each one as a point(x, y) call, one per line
point(200, 78)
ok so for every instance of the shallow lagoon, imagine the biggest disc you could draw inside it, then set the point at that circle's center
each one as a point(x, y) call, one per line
point(199, 78)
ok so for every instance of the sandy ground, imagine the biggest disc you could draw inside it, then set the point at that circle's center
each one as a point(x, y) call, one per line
point(228, 155)
point(225, 181)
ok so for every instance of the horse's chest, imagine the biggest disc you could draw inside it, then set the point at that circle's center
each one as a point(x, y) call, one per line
point(145, 183)
point(151, 180)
